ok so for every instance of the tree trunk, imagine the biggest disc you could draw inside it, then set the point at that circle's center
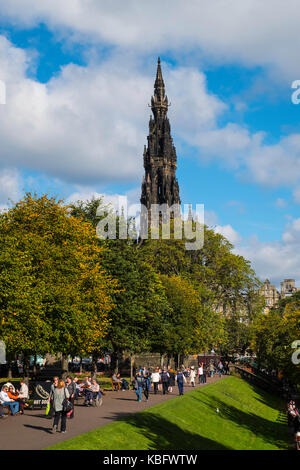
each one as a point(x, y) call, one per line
point(94, 367)
point(117, 363)
point(80, 366)
point(169, 360)
point(64, 366)
point(9, 370)
point(162, 357)
point(131, 366)
point(34, 366)
point(26, 367)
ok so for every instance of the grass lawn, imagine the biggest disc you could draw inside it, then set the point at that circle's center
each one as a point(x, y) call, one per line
point(248, 418)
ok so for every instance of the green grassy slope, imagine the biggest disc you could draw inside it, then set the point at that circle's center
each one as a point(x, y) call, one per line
point(248, 418)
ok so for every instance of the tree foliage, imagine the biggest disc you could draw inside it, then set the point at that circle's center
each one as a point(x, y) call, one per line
point(274, 334)
point(64, 290)
point(54, 293)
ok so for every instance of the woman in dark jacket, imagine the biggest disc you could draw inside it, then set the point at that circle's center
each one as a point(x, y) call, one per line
point(71, 387)
point(171, 380)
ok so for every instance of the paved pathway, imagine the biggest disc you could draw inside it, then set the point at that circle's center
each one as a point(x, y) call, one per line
point(31, 431)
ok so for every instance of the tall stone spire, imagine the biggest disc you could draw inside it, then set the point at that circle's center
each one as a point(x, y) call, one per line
point(160, 185)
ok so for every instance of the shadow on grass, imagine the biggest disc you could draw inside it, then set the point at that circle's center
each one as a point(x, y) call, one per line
point(272, 400)
point(165, 435)
point(272, 432)
point(117, 416)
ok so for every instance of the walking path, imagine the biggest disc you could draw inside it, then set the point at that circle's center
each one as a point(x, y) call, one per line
point(31, 431)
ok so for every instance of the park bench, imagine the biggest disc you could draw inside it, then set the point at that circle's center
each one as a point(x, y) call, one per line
point(6, 407)
point(115, 385)
point(96, 401)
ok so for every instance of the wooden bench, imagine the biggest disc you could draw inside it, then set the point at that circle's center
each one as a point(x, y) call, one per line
point(115, 385)
point(7, 407)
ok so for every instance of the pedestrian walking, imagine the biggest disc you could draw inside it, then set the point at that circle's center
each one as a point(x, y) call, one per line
point(147, 385)
point(192, 376)
point(58, 395)
point(155, 377)
point(180, 379)
point(165, 380)
point(53, 387)
point(220, 368)
point(71, 386)
point(171, 380)
point(139, 385)
point(200, 373)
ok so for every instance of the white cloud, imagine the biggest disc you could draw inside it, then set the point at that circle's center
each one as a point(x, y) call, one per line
point(251, 32)
point(235, 147)
point(88, 125)
point(83, 125)
point(210, 218)
point(115, 200)
point(276, 260)
point(228, 232)
point(10, 182)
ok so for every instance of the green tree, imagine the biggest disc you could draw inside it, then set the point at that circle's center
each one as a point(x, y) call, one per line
point(274, 334)
point(60, 296)
point(192, 327)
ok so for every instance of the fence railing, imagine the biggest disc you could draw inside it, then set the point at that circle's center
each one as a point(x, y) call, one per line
point(259, 380)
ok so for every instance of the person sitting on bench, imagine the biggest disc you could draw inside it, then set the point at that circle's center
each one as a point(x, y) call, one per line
point(95, 389)
point(6, 401)
point(124, 385)
point(115, 380)
point(14, 395)
point(87, 392)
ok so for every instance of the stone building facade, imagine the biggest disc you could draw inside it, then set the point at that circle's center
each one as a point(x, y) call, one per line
point(272, 295)
point(287, 288)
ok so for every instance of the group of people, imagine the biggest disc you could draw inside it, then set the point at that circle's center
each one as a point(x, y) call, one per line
point(164, 379)
point(294, 420)
point(63, 395)
point(15, 400)
point(89, 389)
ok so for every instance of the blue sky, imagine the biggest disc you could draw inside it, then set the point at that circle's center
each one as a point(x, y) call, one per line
point(79, 81)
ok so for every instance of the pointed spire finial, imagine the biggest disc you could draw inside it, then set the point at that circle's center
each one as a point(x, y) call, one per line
point(159, 102)
point(159, 82)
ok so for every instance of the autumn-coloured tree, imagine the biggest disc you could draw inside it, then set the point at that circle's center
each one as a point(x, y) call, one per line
point(54, 294)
